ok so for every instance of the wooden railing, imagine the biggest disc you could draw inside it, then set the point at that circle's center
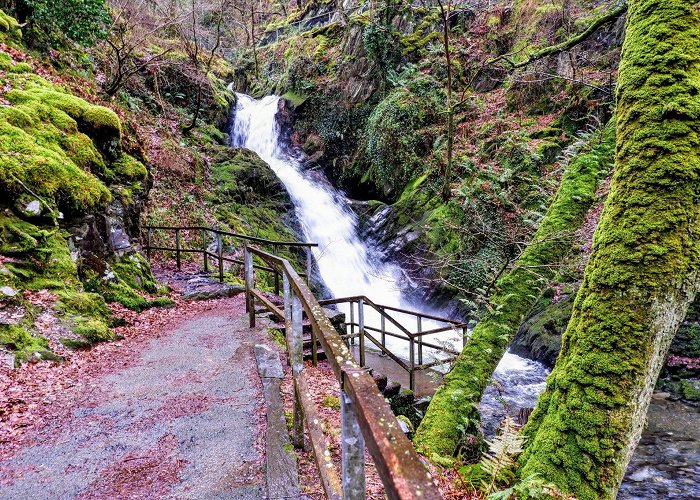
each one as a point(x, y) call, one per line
point(202, 247)
point(366, 418)
point(398, 330)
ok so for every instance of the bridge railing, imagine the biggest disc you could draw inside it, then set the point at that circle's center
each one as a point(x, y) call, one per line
point(366, 418)
point(387, 323)
point(201, 238)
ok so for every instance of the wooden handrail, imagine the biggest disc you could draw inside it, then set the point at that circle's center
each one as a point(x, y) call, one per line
point(366, 416)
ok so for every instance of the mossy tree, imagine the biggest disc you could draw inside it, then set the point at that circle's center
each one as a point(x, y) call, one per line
point(453, 411)
point(642, 273)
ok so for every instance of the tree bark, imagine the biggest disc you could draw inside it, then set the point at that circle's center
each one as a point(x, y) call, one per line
point(453, 411)
point(643, 270)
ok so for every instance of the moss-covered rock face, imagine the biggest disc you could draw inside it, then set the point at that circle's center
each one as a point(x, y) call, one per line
point(69, 195)
point(642, 273)
point(396, 139)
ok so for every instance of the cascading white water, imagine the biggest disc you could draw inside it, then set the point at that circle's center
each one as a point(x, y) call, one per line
point(345, 262)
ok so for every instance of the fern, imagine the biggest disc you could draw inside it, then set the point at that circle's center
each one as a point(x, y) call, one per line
point(499, 461)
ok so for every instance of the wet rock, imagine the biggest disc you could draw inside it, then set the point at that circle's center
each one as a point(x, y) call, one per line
point(337, 319)
point(214, 292)
point(392, 389)
point(7, 291)
point(379, 379)
point(33, 208)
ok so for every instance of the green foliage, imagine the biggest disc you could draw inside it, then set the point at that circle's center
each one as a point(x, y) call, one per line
point(396, 139)
point(639, 278)
point(499, 462)
point(331, 402)
point(55, 21)
point(24, 344)
point(515, 294)
point(43, 150)
point(9, 29)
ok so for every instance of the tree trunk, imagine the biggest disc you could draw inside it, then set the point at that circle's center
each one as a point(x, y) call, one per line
point(642, 273)
point(453, 410)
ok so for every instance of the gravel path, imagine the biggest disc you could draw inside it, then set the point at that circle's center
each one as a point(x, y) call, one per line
point(181, 418)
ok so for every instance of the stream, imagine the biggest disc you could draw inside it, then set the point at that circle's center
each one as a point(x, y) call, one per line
point(665, 465)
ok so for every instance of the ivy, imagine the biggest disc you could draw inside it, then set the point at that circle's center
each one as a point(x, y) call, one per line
point(55, 21)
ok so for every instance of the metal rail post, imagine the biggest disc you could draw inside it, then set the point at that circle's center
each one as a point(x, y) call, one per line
point(249, 284)
point(177, 248)
point(287, 295)
point(148, 244)
point(420, 340)
point(204, 251)
point(411, 365)
point(277, 274)
point(465, 336)
point(383, 328)
point(361, 321)
point(352, 322)
point(352, 451)
point(308, 265)
point(296, 350)
point(220, 253)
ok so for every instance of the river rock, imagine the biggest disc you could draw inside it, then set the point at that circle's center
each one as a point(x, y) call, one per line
point(392, 389)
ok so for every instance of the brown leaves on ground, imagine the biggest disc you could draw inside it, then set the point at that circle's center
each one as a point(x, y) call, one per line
point(38, 394)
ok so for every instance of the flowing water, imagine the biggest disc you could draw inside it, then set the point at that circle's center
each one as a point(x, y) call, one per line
point(349, 266)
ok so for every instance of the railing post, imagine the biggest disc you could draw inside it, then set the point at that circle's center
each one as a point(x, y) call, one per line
point(148, 244)
point(287, 296)
point(352, 322)
point(465, 336)
point(204, 251)
point(383, 328)
point(296, 351)
point(352, 451)
point(308, 265)
point(412, 364)
point(220, 253)
point(249, 284)
point(177, 248)
point(361, 321)
point(420, 340)
point(277, 275)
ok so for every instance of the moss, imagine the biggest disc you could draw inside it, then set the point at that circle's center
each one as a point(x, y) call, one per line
point(93, 330)
point(638, 281)
point(278, 337)
point(9, 27)
point(129, 168)
point(24, 344)
point(162, 302)
point(135, 271)
point(331, 402)
point(42, 149)
point(394, 143)
point(83, 304)
point(126, 296)
point(442, 429)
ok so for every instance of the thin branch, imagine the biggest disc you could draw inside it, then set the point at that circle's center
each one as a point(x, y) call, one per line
point(567, 44)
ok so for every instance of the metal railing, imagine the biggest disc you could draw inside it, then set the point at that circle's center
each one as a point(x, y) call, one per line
point(397, 330)
point(203, 244)
point(366, 418)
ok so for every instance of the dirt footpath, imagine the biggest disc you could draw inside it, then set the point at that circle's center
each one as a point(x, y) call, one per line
point(181, 416)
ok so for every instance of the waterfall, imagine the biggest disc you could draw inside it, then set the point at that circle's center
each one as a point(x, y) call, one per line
point(345, 263)
point(348, 265)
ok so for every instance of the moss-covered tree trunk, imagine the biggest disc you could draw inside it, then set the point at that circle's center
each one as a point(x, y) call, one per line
point(642, 273)
point(453, 410)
